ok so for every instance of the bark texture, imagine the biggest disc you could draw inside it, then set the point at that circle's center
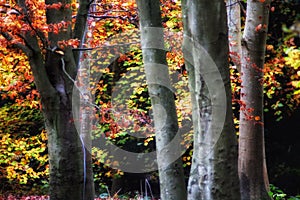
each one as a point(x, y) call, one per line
point(52, 74)
point(234, 31)
point(84, 111)
point(172, 185)
point(252, 163)
point(214, 174)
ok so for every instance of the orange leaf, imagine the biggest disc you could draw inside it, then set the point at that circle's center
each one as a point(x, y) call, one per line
point(257, 118)
point(259, 26)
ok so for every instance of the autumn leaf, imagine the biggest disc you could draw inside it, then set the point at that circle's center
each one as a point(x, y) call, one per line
point(257, 118)
point(258, 27)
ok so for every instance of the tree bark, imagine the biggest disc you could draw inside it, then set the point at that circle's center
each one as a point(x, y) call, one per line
point(172, 185)
point(84, 111)
point(53, 73)
point(234, 32)
point(214, 172)
point(252, 163)
point(65, 153)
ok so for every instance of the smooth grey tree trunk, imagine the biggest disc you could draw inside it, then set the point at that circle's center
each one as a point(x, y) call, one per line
point(252, 163)
point(85, 115)
point(172, 184)
point(234, 31)
point(214, 174)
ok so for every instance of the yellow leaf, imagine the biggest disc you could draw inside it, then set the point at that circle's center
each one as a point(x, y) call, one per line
point(170, 24)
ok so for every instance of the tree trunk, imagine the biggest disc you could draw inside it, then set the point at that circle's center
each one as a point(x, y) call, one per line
point(172, 185)
point(252, 163)
point(64, 145)
point(84, 111)
point(53, 74)
point(65, 153)
point(234, 32)
point(214, 172)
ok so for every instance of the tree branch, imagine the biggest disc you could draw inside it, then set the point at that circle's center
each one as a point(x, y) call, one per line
point(27, 19)
point(80, 25)
point(37, 64)
point(22, 4)
point(18, 45)
point(32, 49)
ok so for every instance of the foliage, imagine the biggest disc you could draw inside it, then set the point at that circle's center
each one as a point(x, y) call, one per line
point(23, 151)
point(281, 82)
point(281, 73)
point(121, 92)
point(16, 80)
point(278, 194)
point(23, 158)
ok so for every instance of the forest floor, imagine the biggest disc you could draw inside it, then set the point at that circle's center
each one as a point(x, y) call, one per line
point(11, 197)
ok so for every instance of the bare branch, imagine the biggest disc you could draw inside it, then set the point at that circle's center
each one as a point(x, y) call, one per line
point(7, 6)
point(107, 17)
point(104, 47)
